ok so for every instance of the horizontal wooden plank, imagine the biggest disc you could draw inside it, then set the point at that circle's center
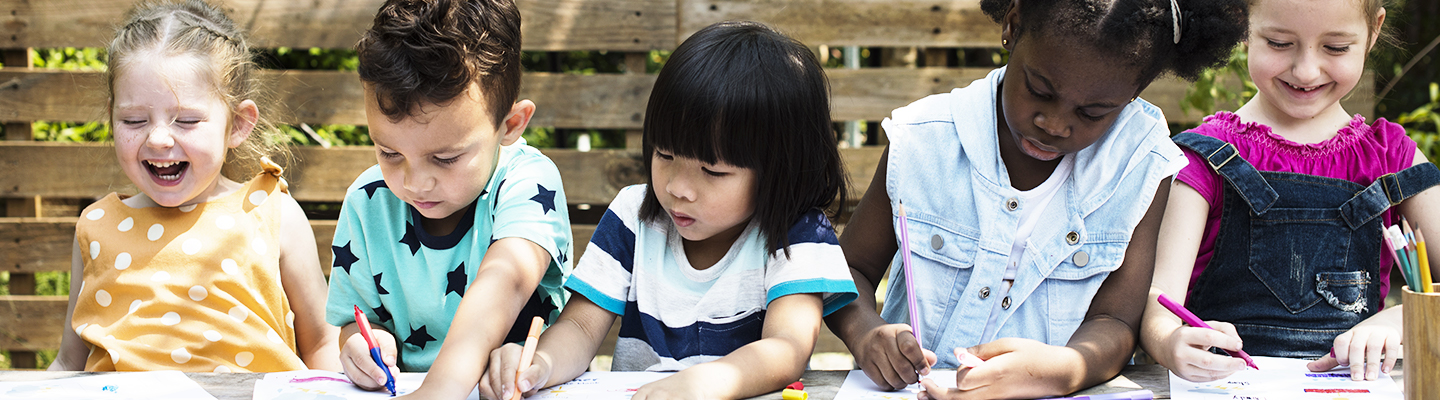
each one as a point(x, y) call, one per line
point(564, 100)
point(334, 97)
point(88, 170)
point(854, 22)
point(550, 25)
point(31, 322)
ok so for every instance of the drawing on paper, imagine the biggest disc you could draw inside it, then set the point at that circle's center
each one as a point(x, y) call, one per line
point(1285, 379)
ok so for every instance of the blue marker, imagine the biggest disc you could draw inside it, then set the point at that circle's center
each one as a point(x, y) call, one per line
point(364, 324)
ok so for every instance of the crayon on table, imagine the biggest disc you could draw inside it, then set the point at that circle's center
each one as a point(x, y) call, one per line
point(528, 353)
point(364, 324)
point(1192, 320)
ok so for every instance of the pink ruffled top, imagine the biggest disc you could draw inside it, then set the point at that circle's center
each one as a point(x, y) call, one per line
point(1358, 153)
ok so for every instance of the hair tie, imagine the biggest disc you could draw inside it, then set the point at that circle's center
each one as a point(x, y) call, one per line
point(1175, 14)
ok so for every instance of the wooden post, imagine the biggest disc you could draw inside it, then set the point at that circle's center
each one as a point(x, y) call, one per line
point(20, 283)
point(635, 65)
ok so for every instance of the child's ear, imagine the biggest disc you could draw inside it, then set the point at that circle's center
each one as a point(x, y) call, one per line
point(516, 121)
point(1379, 24)
point(246, 114)
point(1008, 26)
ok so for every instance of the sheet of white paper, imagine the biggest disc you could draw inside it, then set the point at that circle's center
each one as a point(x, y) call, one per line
point(326, 385)
point(857, 386)
point(1285, 379)
point(600, 386)
point(154, 385)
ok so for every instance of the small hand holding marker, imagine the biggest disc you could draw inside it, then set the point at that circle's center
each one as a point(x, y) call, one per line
point(527, 354)
point(1192, 320)
point(364, 324)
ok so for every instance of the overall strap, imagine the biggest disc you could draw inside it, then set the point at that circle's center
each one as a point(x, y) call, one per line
point(1388, 191)
point(1225, 160)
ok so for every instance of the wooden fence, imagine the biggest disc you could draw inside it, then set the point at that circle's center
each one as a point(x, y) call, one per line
point(44, 185)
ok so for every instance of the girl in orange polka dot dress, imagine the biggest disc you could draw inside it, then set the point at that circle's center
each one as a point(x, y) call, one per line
point(197, 272)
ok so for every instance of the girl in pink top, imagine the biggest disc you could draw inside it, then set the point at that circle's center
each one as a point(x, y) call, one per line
point(1274, 227)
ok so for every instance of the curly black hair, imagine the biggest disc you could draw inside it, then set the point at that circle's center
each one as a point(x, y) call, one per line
point(1140, 31)
point(429, 51)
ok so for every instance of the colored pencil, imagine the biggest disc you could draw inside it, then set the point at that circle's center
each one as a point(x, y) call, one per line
point(1423, 278)
point(1397, 241)
point(909, 280)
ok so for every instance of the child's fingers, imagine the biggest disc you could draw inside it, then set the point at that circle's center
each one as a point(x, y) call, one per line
point(532, 378)
point(1341, 348)
point(1374, 348)
point(1356, 354)
point(912, 357)
point(1392, 352)
point(502, 370)
point(1324, 363)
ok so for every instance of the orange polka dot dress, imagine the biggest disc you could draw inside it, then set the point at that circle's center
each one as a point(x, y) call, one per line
point(193, 288)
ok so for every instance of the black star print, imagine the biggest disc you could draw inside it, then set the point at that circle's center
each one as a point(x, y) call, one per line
point(411, 239)
point(371, 187)
point(343, 257)
point(546, 198)
point(378, 288)
point(562, 257)
point(381, 314)
point(484, 192)
point(497, 198)
point(456, 281)
point(419, 338)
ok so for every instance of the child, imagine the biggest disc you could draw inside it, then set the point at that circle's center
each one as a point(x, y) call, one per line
point(461, 229)
point(1056, 136)
point(721, 266)
point(183, 275)
point(1280, 230)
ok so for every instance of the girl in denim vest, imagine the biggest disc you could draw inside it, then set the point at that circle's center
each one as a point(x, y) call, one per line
point(1032, 198)
point(1274, 227)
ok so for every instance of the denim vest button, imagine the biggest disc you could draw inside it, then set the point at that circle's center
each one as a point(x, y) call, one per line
point(1005, 303)
point(984, 292)
point(936, 242)
point(1072, 237)
point(1080, 258)
point(1012, 204)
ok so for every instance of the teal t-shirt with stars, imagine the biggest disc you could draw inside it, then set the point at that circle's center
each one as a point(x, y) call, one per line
point(411, 282)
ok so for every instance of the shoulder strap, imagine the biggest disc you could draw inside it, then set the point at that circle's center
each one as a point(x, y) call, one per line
point(1225, 160)
point(1388, 191)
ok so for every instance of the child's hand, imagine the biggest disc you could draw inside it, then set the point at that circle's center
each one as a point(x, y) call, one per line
point(499, 381)
point(1014, 368)
point(1362, 348)
point(359, 366)
point(678, 386)
point(1190, 354)
point(890, 356)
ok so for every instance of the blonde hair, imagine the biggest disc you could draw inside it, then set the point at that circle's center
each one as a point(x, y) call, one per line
point(199, 29)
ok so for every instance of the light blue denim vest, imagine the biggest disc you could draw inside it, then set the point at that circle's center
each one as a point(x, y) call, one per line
point(962, 214)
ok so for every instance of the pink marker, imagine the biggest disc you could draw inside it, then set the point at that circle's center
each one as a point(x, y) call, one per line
point(1192, 320)
point(968, 359)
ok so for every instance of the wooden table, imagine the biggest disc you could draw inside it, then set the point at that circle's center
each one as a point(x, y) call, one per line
point(822, 385)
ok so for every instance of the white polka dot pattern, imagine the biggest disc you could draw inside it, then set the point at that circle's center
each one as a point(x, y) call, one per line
point(114, 356)
point(198, 293)
point(212, 335)
point(134, 305)
point(80, 330)
point(160, 276)
point(239, 313)
point(188, 208)
point(191, 246)
point(170, 318)
point(102, 298)
point(94, 250)
point(222, 369)
point(257, 197)
point(244, 358)
point(259, 246)
point(96, 214)
point(155, 232)
point(180, 355)
point(122, 261)
point(126, 224)
point(274, 337)
point(230, 267)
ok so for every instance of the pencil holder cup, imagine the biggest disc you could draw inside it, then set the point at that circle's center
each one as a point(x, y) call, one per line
point(1422, 344)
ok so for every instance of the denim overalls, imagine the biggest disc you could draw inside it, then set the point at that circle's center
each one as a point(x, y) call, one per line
point(1297, 257)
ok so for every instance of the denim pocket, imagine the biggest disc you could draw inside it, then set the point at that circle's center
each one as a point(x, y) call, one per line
point(1289, 247)
point(936, 243)
point(1344, 290)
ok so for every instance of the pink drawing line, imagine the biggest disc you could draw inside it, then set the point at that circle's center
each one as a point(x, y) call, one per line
point(317, 378)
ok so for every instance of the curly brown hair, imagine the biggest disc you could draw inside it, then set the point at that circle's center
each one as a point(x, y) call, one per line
point(429, 51)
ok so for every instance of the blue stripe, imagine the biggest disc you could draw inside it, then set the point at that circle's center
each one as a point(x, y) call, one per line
point(813, 227)
point(595, 296)
point(697, 339)
point(617, 240)
point(844, 291)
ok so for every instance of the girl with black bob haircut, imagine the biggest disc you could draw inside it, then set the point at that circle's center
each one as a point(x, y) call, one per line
point(1032, 199)
point(724, 264)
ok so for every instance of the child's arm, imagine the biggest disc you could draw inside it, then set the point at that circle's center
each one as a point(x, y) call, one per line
point(564, 352)
point(792, 323)
point(304, 284)
point(507, 277)
point(1100, 347)
point(888, 353)
point(1180, 348)
point(1377, 339)
point(73, 350)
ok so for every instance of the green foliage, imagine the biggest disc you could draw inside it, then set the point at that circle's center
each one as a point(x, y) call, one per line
point(330, 135)
point(1216, 88)
point(69, 58)
point(312, 59)
point(94, 131)
point(1423, 124)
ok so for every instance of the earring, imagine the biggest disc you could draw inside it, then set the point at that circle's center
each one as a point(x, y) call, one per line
point(1004, 42)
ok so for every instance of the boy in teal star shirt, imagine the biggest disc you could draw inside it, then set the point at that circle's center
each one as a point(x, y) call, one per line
point(462, 229)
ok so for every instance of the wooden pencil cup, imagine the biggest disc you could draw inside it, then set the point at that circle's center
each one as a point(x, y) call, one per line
point(1422, 344)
